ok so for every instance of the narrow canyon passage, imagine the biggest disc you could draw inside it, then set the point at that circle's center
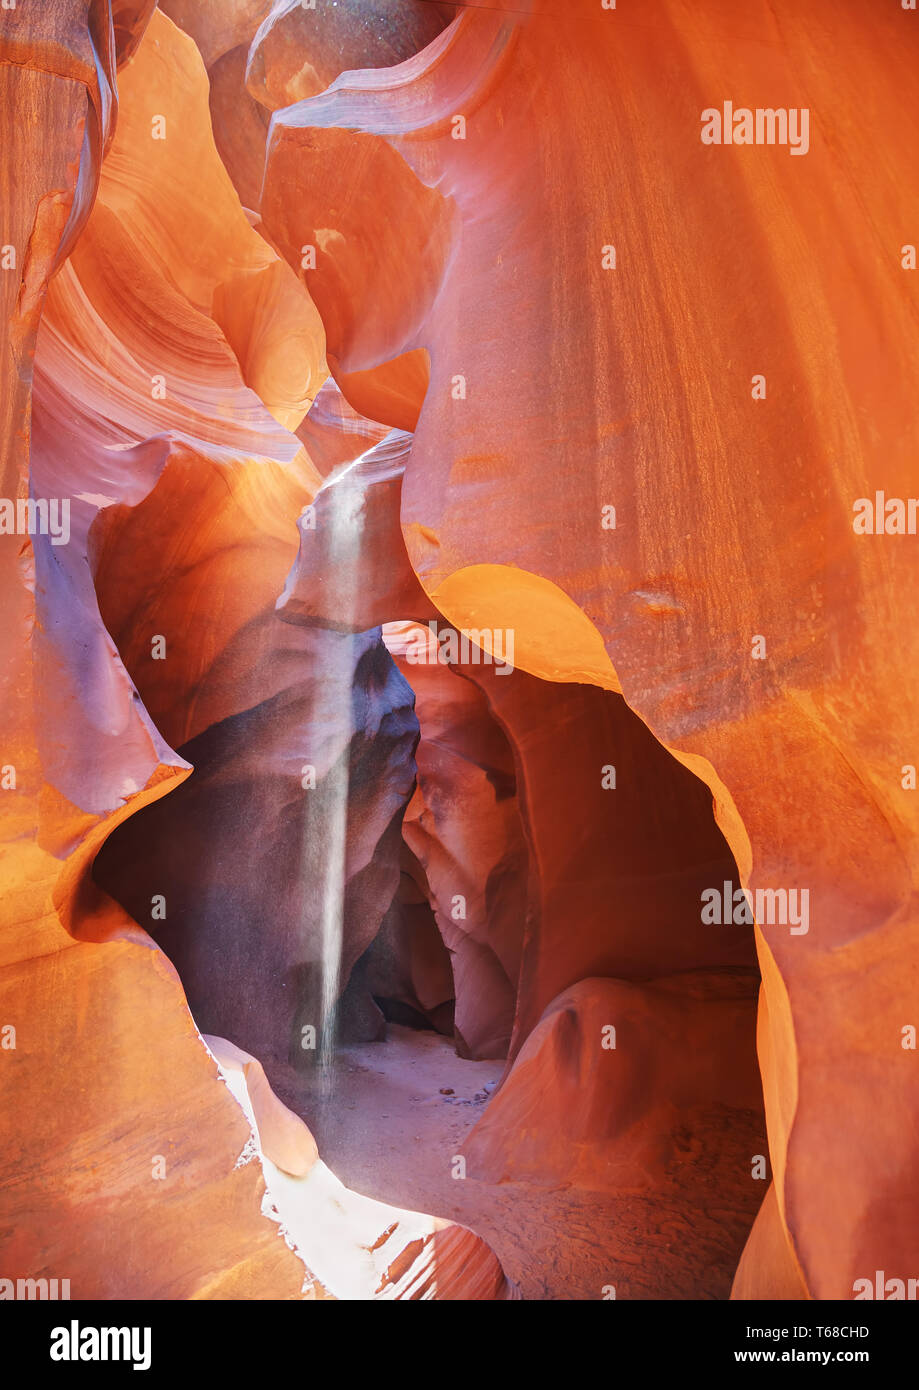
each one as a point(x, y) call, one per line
point(458, 776)
point(388, 824)
point(483, 915)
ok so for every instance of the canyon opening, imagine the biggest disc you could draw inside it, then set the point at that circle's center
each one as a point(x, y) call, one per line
point(458, 764)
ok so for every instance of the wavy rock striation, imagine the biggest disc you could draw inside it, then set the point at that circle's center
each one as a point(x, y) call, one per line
point(328, 333)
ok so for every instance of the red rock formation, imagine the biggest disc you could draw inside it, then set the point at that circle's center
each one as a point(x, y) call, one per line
point(352, 572)
point(463, 825)
point(107, 1082)
point(624, 1086)
point(215, 675)
point(590, 774)
point(217, 30)
point(334, 433)
point(582, 221)
point(119, 1113)
point(543, 301)
point(297, 52)
point(250, 932)
point(645, 1090)
point(566, 766)
point(406, 972)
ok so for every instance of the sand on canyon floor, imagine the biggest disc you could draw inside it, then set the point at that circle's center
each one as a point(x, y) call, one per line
point(387, 1130)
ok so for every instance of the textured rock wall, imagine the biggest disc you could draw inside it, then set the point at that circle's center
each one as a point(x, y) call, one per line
point(733, 514)
point(175, 355)
point(345, 324)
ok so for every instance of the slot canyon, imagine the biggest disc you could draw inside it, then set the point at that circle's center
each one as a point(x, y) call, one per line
point(458, 810)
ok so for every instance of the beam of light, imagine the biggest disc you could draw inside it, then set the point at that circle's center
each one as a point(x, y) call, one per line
point(345, 524)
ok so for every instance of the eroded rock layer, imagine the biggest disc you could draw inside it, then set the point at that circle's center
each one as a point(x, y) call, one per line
point(165, 387)
point(431, 596)
point(690, 540)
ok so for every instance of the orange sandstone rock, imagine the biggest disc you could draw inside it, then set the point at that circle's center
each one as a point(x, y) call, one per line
point(596, 291)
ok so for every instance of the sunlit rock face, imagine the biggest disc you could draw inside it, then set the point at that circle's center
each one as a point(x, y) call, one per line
point(628, 247)
point(107, 1079)
point(177, 353)
point(439, 595)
